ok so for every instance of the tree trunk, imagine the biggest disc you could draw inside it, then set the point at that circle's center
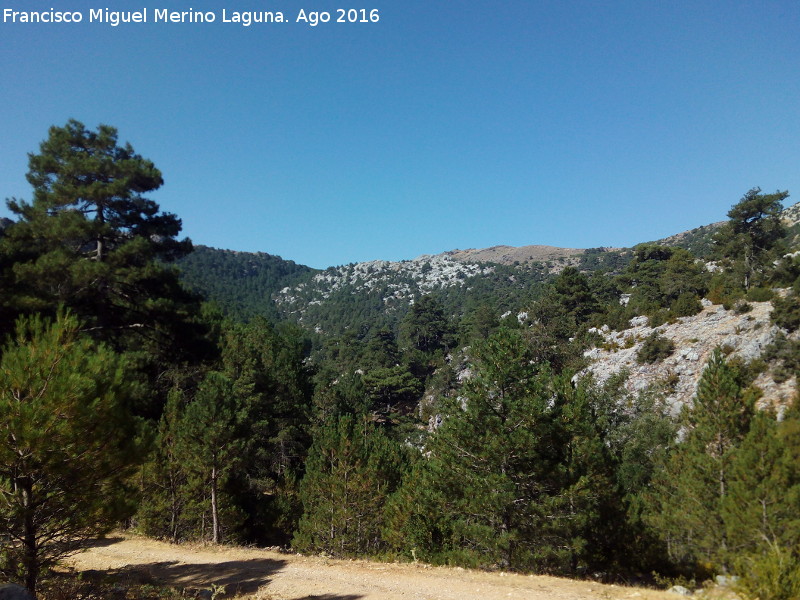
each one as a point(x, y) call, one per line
point(174, 510)
point(214, 510)
point(100, 218)
point(30, 556)
point(724, 537)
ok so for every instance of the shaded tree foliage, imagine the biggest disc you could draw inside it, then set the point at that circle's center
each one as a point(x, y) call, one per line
point(521, 474)
point(67, 444)
point(694, 487)
point(352, 469)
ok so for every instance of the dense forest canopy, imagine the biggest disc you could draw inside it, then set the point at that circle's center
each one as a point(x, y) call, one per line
point(435, 415)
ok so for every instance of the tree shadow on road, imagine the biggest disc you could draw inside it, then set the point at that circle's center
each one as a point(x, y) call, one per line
point(103, 542)
point(237, 576)
point(330, 597)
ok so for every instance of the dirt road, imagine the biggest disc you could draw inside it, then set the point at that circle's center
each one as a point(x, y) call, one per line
point(269, 575)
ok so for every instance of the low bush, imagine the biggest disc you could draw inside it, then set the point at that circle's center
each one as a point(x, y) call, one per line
point(656, 347)
point(774, 575)
point(759, 294)
point(786, 312)
point(686, 305)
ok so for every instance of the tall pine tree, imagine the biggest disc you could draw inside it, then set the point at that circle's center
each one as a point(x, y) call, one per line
point(692, 491)
point(490, 491)
point(91, 241)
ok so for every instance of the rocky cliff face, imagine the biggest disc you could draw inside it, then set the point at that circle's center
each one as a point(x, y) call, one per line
point(744, 335)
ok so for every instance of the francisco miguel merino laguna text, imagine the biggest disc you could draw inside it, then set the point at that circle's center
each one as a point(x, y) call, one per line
point(165, 15)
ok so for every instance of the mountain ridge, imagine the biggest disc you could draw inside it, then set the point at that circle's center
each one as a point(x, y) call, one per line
point(248, 284)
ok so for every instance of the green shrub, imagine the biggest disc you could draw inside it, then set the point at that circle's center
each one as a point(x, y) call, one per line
point(759, 294)
point(786, 353)
point(771, 576)
point(617, 317)
point(786, 312)
point(686, 305)
point(724, 289)
point(656, 347)
point(658, 317)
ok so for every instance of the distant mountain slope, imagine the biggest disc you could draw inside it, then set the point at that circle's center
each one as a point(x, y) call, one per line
point(378, 293)
point(241, 283)
point(698, 241)
point(509, 255)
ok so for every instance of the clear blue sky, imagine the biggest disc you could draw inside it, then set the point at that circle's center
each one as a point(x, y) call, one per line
point(448, 124)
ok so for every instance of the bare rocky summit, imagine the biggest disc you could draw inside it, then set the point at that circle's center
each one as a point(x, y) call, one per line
point(508, 255)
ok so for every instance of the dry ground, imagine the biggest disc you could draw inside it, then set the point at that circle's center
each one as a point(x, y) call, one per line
point(271, 575)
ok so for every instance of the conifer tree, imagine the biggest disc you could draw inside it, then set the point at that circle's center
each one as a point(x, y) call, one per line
point(382, 349)
point(574, 294)
point(750, 241)
point(760, 508)
point(90, 240)
point(167, 493)
point(352, 468)
point(691, 493)
point(425, 328)
point(760, 512)
point(389, 386)
point(266, 365)
point(487, 494)
point(210, 441)
point(67, 444)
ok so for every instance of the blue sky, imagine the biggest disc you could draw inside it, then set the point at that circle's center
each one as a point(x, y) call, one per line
point(444, 125)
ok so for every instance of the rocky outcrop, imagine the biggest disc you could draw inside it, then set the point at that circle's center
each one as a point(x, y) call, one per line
point(744, 335)
point(398, 282)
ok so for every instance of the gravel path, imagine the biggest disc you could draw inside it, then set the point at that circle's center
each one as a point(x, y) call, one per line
point(270, 575)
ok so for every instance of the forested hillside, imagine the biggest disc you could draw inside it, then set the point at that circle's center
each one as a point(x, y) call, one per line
point(430, 410)
point(242, 284)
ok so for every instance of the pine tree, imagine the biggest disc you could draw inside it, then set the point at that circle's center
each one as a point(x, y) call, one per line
point(691, 493)
point(382, 350)
point(67, 444)
point(758, 509)
point(574, 294)
point(487, 491)
point(352, 469)
point(389, 387)
point(751, 240)
point(272, 383)
point(167, 492)
point(425, 328)
point(211, 442)
point(90, 240)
